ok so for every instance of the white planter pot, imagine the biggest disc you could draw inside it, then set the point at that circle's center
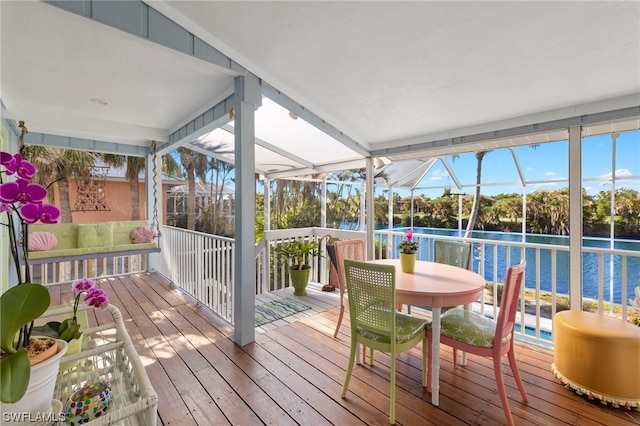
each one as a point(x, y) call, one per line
point(37, 399)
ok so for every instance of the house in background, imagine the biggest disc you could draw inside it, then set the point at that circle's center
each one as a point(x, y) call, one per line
point(207, 196)
point(115, 196)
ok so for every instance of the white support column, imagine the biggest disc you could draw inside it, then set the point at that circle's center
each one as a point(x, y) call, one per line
point(575, 217)
point(323, 202)
point(411, 223)
point(524, 213)
point(267, 204)
point(247, 96)
point(460, 215)
point(612, 228)
point(267, 227)
point(390, 226)
point(363, 206)
point(370, 209)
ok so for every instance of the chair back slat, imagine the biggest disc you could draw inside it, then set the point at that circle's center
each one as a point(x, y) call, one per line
point(371, 290)
point(456, 253)
point(509, 303)
point(347, 249)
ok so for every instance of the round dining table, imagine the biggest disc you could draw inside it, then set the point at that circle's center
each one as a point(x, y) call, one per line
point(435, 285)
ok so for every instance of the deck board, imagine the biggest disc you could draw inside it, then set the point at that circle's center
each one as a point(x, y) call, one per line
point(293, 372)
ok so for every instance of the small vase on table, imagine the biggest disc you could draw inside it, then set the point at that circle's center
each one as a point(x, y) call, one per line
point(407, 262)
point(408, 249)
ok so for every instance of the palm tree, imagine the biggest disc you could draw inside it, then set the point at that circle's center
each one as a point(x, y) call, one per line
point(134, 165)
point(194, 164)
point(475, 208)
point(56, 165)
point(222, 172)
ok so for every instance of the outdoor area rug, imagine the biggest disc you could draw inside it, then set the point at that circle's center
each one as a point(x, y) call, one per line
point(278, 309)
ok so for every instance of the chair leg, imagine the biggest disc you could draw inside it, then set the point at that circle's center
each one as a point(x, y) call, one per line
point(392, 392)
point(335, 334)
point(352, 358)
point(516, 375)
point(497, 367)
point(455, 358)
point(429, 355)
point(424, 361)
point(364, 355)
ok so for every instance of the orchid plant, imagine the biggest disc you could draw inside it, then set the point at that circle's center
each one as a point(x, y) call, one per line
point(408, 246)
point(69, 329)
point(21, 204)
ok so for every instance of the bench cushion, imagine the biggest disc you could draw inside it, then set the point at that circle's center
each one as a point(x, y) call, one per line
point(84, 239)
point(95, 235)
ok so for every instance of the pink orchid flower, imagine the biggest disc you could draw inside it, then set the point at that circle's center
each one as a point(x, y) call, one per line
point(22, 191)
point(45, 213)
point(15, 164)
point(409, 235)
point(83, 284)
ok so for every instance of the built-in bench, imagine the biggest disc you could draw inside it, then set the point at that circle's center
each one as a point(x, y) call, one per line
point(598, 356)
point(78, 241)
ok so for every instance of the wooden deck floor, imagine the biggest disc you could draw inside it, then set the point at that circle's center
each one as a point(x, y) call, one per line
point(293, 373)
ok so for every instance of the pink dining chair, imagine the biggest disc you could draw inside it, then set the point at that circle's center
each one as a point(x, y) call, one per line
point(346, 249)
point(476, 334)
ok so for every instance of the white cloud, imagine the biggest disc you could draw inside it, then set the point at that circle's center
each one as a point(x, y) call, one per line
point(437, 174)
point(619, 173)
point(550, 174)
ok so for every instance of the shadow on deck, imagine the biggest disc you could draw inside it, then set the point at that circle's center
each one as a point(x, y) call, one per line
point(294, 371)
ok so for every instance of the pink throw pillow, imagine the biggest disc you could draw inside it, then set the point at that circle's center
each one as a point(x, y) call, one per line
point(42, 241)
point(143, 234)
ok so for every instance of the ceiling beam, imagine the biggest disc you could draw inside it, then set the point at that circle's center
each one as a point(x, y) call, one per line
point(204, 123)
point(66, 142)
point(513, 132)
point(308, 116)
point(318, 168)
point(139, 19)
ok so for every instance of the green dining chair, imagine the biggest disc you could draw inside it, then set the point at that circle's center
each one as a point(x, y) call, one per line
point(456, 253)
point(376, 324)
point(451, 252)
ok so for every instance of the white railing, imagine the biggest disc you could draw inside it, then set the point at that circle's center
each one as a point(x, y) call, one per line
point(200, 264)
point(63, 272)
point(203, 266)
point(279, 278)
point(546, 277)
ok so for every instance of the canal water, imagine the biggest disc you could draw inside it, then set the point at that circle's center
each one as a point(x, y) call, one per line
point(611, 273)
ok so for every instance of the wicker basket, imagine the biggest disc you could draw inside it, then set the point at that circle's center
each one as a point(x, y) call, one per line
point(108, 354)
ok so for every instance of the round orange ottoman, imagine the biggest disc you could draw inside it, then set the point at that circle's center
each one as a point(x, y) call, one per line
point(598, 356)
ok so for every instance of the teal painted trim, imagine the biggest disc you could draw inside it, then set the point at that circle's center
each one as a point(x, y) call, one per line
point(209, 120)
point(66, 142)
point(554, 125)
point(137, 18)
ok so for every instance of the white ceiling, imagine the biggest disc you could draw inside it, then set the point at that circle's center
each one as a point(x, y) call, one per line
point(385, 74)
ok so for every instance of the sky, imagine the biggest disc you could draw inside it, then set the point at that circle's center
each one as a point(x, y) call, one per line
point(545, 166)
point(542, 165)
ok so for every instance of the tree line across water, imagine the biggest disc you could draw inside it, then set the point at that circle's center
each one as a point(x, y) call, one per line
point(297, 204)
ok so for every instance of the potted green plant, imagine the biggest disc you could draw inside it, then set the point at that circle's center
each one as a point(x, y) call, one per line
point(297, 254)
point(25, 385)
